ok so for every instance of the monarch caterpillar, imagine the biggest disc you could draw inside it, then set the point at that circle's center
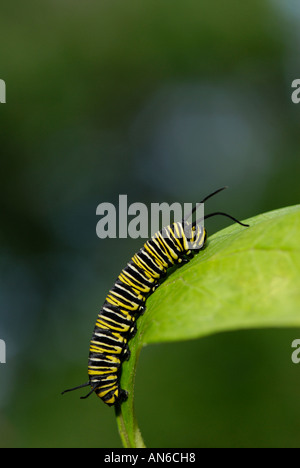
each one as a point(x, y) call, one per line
point(125, 302)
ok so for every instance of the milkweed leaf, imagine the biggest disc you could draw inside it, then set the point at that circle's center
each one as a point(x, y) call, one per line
point(244, 278)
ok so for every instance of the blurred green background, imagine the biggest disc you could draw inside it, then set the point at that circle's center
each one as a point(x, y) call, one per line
point(163, 101)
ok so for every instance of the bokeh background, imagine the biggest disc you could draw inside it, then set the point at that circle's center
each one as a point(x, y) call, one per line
point(162, 101)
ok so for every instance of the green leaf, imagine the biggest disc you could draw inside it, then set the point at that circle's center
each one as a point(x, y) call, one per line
point(244, 278)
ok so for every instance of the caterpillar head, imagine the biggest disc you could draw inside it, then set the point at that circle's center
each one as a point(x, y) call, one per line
point(194, 237)
point(195, 233)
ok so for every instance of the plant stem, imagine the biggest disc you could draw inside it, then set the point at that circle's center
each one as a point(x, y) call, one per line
point(131, 436)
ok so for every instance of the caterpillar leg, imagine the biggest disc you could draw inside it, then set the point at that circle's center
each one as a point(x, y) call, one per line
point(132, 331)
point(184, 261)
point(115, 398)
point(142, 309)
point(155, 287)
point(126, 353)
point(123, 395)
